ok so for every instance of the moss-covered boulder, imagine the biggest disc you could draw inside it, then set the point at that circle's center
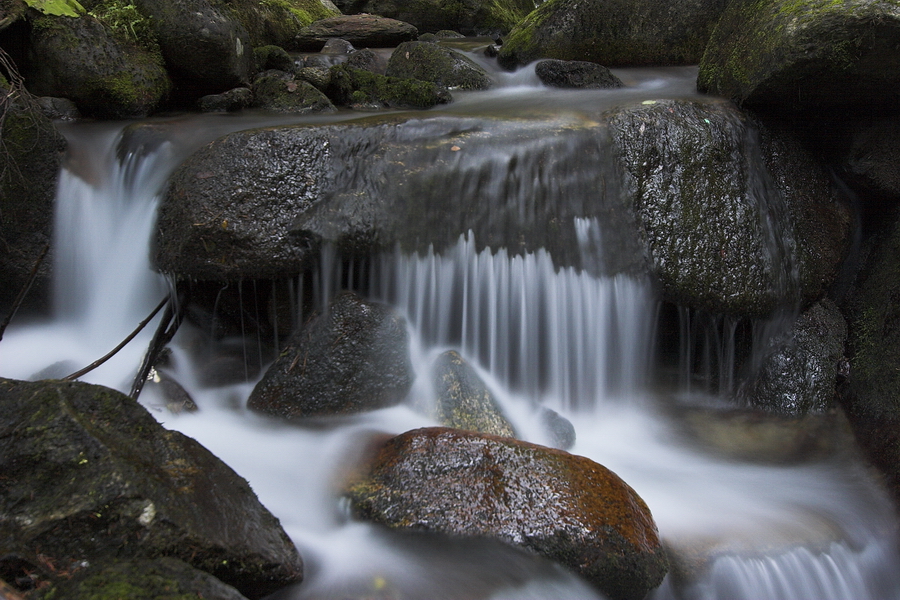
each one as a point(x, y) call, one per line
point(93, 476)
point(141, 579)
point(809, 54)
point(30, 159)
point(278, 21)
point(354, 87)
point(463, 399)
point(206, 50)
point(363, 31)
point(564, 507)
point(614, 33)
point(350, 359)
point(278, 91)
point(470, 17)
point(728, 230)
point(798, 374)
point(443, 66)
point(101, 69)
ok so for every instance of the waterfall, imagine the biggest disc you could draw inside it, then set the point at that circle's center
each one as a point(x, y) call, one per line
point(582, 343)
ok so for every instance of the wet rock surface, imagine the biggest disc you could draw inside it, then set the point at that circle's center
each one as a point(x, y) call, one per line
point(352, 358)
point(463, 399)
point(363, 31)
point(279, 91)
point(576, 74)
point(558, 505)
point(443, 66)
point(614, 33)
point(92, 476)
point(469, 17)
point(799, 373)
point(810, 55)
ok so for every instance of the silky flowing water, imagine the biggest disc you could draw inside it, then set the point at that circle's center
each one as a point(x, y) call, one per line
point(580, 344)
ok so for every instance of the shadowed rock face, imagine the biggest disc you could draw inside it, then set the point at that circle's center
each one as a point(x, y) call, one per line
point(564, 507)
point(93, 476)
point(811, 55)
point(354, 357)
point(362, 31)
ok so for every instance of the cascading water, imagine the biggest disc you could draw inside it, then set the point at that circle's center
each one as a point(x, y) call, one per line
point(541, 336)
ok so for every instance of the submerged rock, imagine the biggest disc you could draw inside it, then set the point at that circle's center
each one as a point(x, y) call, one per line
point(443, 66)
point(615, 33)
point(805, 55)
point(576, 74)
point(564, 507)
point(463, 399)
point(352, 358)
point(93, 476)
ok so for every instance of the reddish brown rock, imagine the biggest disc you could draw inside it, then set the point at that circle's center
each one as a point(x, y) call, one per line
point(561, 506)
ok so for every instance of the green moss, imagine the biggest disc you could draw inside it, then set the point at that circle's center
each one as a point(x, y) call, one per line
point(126, 23)
point(305, 11)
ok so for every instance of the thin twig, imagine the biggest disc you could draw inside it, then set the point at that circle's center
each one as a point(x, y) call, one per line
point(165, 331)
point(17, 303)
point(121, 345)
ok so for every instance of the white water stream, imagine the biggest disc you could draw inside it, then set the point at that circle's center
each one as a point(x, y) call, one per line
point(578, 344)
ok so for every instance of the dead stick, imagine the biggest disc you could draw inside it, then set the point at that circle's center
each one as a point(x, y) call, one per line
point(165, 331)
point(121, 345)
point(21, 297)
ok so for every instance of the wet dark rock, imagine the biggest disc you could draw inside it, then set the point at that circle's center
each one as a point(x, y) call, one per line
point(80, 59)
point(871, 159)
point(319, 77)
point(871, 396)
point(362, 31)
point(463, 399)
point(560, 429)
point(59, 109)
point(367, 60)
point(576, 74)
point(808, 55)
point(355, 87)
point(564, 507)
point(615, 33)
point(93, 476)
point(142, 579)
point(443, 66)
point(230, 101)
point(798, 374)
point(281, 92)
point(29, 169)
point(350, 359)
point(470, 17)
point(724, 233)
point(280, 193)
point(206, 50)
point(337, 46)
point(273, 57)
point(171, 392)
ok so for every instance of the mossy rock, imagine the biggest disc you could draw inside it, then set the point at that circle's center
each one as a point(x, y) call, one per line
point(158, 579)
point(30, 159)
point(279, 92)
point(103, 72)
point(613, 33)
point(558, 505)
point(801, 55)
point(277, 21)
point(443, 66)
point(93, 476)
point(349, 86)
